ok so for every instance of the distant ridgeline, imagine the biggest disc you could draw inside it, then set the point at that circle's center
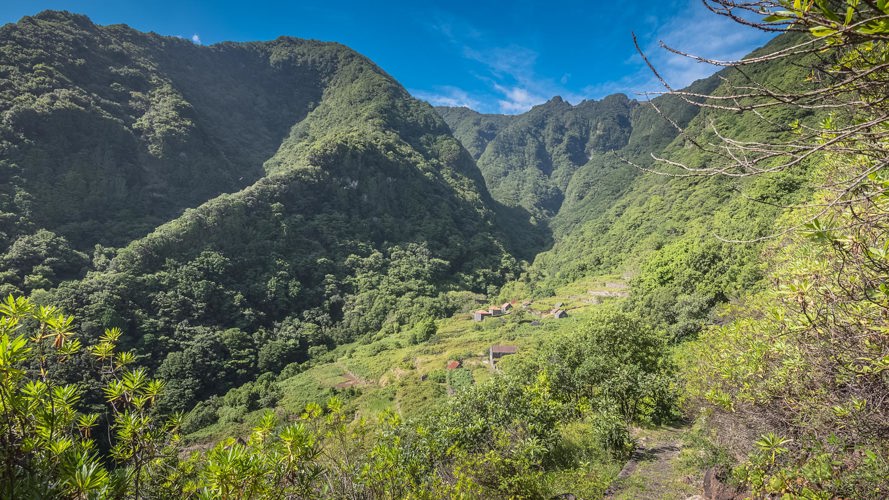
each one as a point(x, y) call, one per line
point(528, 160)
point(243, 206)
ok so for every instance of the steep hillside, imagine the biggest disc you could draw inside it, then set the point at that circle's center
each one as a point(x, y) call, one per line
point(107, 132)
point(655, 209)
point(473, 129)
point(598, 184)
point(567, 164)
point(528, 160)
point(582, 169)
point(360, 209)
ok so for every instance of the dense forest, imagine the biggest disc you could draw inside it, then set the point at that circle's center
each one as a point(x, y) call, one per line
point(246, 270)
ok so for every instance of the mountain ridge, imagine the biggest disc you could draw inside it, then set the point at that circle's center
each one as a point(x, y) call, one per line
point(528, 159)
point(300, 197)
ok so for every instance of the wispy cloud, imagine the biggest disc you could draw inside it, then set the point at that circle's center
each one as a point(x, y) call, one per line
point(696, 31)
point(509, 71)
point(518, 99)
point(510, 75)
point(196, 39)
point(447, 96)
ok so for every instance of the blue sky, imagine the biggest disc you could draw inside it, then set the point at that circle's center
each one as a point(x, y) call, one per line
point(497, 57)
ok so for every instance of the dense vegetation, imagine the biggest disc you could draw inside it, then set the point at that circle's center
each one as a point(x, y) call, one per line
point(528, 160)
point(360, 211)
point(238, 219)
point(801, 366)
point(499, 438)
point(660, 230)
point(108, 133)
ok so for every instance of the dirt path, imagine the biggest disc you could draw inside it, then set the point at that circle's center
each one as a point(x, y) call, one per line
point(654, 471)
point(351, 380)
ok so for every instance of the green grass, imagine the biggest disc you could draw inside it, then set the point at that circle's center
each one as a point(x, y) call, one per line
point(390, 374)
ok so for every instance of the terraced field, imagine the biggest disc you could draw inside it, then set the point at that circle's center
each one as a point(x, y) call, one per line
point(391, 373)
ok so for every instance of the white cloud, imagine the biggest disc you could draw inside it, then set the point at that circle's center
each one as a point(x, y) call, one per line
point(447, 96)
point(512, 60)
point(511, 76)
point(196, 39)
point(706, 35)
point(509, 70)
point(517, 99)
point(695, 31)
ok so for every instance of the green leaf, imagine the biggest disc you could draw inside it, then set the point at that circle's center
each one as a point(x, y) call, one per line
point(778, 17)
point(821, 31)
point(775, 19)
point(875, 28)
point(827, 10)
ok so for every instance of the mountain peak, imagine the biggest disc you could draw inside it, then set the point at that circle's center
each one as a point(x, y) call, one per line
point(62, 16)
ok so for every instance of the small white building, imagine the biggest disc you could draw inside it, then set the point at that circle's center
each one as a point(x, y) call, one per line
point(480, 315)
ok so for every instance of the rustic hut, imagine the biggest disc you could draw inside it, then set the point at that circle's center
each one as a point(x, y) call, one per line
point(498, 351)
point(480, 315)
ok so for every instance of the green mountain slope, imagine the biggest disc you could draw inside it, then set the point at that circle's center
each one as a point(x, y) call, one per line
point(599, 183)
point(528, 160)
point(566, 164)
point(656, 209)
point(473, 129)
point(108, 132)
point(608, 215)
point(360, 209)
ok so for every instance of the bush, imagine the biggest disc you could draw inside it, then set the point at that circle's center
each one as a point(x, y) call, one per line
point(438, 376)
point(617, 363)
point(202, 415)
point(231, 414)
point(423, 331)
point(460, 379)
point(613, 434)
point(291, 370)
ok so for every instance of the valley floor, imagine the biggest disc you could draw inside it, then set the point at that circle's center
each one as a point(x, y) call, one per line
point(391, 373)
